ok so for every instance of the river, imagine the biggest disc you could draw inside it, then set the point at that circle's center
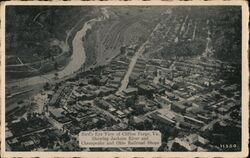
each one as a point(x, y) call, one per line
point(77, 59)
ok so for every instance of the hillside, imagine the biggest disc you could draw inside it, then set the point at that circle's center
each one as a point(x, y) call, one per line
point(213, 32)
point(125, 26)
point(35, 33)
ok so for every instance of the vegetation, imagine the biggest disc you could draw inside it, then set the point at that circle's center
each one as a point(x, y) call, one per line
point(31, 30)
point(225, 26)
point(185, 48)
point(227, 34)
point(192, 26)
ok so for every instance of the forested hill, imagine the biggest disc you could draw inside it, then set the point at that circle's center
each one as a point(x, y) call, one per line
point(31, 29)
point(227, 33)
point(223, 24)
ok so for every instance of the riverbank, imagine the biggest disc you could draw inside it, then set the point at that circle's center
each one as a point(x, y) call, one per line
point(77, 60)
point(45, 66)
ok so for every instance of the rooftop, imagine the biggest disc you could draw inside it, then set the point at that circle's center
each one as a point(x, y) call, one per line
point(130, 90)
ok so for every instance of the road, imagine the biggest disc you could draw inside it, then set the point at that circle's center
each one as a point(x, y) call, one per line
point(211, 124)
point(34, 132)
point(208, 44)
point(194, 31)
point(138, 53)
point(125, 80)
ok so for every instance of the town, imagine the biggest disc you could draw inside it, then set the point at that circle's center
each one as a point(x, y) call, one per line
point(193, 100)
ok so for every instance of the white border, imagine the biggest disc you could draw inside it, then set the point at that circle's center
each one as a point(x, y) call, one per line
point(245, 92)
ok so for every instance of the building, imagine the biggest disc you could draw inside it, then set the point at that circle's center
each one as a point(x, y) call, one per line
point(56, 97)
point(163, 119)
point(226, 108)
point(186, 144)
point(57, 113)
point(112, 110)
point(116, 80)
point(104, 104)
point(146, 90)
point(164, 116)
point(177, 107)
point(203, 118)
point(120, 114)
point(193, 121)
point(130, 91)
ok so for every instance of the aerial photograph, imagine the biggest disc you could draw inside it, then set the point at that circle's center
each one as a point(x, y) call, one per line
point(172, 69)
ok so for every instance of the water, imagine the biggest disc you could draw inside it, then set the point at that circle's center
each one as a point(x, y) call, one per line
point(77, 59)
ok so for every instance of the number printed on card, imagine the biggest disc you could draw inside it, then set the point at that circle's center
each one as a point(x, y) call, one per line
point(228, 146)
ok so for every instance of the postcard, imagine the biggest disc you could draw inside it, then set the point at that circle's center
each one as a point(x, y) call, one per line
point(124, 79)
